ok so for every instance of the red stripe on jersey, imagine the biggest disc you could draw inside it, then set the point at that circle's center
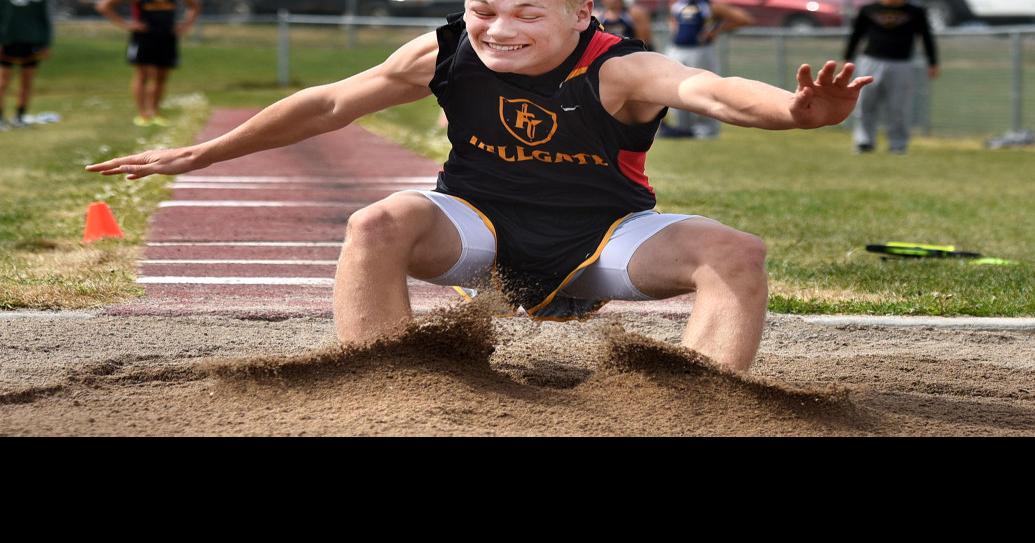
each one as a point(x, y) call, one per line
point(631, 164)
point(598, 45)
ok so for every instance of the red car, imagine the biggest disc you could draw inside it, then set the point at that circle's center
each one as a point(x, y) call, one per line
point(793, 13)
point(789, 13)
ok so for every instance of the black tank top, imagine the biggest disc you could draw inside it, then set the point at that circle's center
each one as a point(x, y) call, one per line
point(541, 158)
point(158, 15)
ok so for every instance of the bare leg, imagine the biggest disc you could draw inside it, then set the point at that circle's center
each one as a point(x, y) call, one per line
point(25, 91)
point(139, 86)
point(727, 270)
point(161, 75)
point(5, 79)
point(404, 234)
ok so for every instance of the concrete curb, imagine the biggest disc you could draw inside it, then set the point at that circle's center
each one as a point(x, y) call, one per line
point(962, 323)
point(965, 323)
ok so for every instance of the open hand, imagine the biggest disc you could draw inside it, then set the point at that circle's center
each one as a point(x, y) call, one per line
point(166, 162)
point(829, 99)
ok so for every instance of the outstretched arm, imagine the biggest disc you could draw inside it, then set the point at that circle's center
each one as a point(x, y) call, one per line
point(402, 78)
point(647, 78)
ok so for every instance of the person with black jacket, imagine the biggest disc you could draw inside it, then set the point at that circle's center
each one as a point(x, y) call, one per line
point(890, 28)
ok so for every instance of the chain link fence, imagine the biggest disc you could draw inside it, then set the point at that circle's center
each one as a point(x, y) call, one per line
point(986, 87)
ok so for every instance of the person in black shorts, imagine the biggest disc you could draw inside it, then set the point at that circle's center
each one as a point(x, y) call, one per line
point(550, 121)
point(153, 49)
point(25, 36)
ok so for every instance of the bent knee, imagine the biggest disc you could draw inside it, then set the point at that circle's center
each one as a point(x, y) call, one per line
point(734, 253)
point(750, 251)
point(395, 222)
point(375, 226)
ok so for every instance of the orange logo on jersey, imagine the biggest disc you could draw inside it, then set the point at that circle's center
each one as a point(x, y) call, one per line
point(530, 123)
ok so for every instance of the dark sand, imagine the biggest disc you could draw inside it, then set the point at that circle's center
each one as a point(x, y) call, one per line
point(463, 372)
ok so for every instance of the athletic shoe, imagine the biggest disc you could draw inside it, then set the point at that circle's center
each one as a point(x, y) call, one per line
point(861, 148)
point(467, 293)
point(158, 120)
point(48, 117)
point(141, 121)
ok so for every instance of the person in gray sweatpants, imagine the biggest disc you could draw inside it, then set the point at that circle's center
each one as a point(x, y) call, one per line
point(890, 28)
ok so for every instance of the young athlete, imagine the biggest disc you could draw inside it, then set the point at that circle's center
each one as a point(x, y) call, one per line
point(550, 120)
point(153, 49)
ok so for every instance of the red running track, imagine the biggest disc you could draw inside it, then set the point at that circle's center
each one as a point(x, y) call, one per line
point(259, 236)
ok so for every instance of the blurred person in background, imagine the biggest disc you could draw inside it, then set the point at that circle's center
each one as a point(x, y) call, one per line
point(25, 36)
point(890, 28)
point(628, 22)
point(694, 25)
point(153, 49)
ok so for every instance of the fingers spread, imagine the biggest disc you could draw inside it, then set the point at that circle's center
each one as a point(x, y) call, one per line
point(803, 98)
point(845, 75)
point(861, 82)
point(804, 76)
point(826, 73)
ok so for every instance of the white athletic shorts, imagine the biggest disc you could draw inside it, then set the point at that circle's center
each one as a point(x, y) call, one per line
point(605, 279)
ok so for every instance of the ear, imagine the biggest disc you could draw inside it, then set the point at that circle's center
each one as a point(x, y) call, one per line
point(583, 14)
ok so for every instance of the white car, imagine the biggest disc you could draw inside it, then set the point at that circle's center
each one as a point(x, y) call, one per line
point(946, 13)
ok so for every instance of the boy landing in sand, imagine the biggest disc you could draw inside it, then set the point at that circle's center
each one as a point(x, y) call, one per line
point(550, 120)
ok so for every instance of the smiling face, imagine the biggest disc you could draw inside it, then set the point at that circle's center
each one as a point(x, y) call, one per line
point(528, 37)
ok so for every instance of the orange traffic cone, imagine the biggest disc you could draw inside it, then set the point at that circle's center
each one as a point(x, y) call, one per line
point(100, 223)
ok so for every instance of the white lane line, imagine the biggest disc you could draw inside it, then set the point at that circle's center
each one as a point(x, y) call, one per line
point(37, 314)
point(307, 186)
point(970, 323)
point(180, 280)
point(245, 243)
point(297, 281)
point(245, 261)
point(241, 186)
point(255, 203)
point(302, 179)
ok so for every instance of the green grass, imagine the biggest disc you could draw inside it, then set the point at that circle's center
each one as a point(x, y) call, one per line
point(814, 203)
point(817, 206)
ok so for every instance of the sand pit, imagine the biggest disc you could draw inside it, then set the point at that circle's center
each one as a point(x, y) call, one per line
point(467, 372)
